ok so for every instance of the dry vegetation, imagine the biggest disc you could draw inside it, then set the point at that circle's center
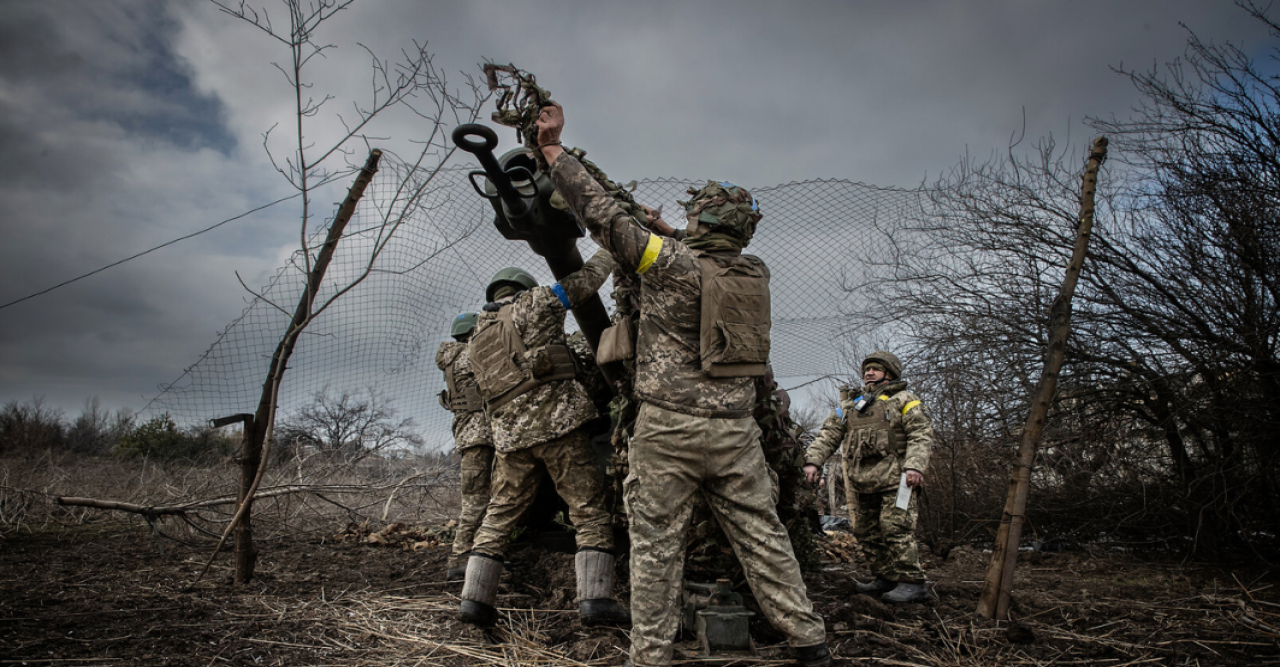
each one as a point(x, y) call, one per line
point(339, 584)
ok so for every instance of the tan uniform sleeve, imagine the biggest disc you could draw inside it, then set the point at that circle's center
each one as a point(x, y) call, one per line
point(585, 282)
point(827, 442)
point(444, 356)
point(919, 430)
point(609, 225)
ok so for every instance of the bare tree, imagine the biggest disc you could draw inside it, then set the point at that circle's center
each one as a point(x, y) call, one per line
point(1197, 284)
point(1170, 392)
point(412, 85)
point(352, 426)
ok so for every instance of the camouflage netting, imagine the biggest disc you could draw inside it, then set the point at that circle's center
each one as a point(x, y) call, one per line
point(384, 334)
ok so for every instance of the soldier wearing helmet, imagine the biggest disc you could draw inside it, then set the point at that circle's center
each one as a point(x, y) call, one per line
point(537, 412)
point(702, 338)
point(471, 438)
point(886, 435)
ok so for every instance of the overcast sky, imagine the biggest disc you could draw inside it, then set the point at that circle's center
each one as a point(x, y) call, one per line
point(125, 124)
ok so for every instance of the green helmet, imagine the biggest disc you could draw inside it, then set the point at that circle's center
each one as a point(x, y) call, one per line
point(463, 325)
point(893, 367)
point(725, 206)
point(516, 277)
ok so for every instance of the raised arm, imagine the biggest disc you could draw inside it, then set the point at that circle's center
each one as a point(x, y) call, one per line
point(583, 283)
point(634, 247)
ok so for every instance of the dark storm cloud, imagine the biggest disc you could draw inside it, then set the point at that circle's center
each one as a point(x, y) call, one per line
point(129, 123)
point(106, 149)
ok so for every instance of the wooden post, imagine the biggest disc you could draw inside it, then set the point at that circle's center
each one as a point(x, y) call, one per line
point(258, 430)
point(994, 600)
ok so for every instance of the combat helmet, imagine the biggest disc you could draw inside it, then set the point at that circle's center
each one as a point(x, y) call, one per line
point(892, 366)
point(514, 276)
point(726, 208)
point(463, 325)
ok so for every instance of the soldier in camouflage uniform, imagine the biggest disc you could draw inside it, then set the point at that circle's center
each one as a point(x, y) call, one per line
point(471, 437)
point(784, 455)
point(694, 431)
point(885, 433)
point(537, 411)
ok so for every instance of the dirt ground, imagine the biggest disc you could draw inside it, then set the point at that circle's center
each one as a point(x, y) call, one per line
point(102, 594)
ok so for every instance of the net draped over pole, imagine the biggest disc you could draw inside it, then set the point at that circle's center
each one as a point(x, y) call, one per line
point(383, 335)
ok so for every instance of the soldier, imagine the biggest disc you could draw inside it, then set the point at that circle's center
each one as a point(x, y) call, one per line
point(537, 411)
point(885, 433)
point(470, 436)
point(702, 335)
point(784, 454)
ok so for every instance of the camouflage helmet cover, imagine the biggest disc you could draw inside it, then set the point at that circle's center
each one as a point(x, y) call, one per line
point(463, 324)
point(727, 207)
point(514, 276)
point(892, 366)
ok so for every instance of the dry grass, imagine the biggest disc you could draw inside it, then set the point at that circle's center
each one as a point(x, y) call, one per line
point(369, 594)
point(302, 495)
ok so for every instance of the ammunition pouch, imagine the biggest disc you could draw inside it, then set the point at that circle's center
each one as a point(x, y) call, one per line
point(736, 316)
point(618, 342)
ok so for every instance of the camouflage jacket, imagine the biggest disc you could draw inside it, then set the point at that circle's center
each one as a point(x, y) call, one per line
point(470, 429)
point(891, 434)
point(668, 360)
point(550, 410)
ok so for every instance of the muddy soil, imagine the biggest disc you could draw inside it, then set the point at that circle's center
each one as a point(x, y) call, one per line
point(103, 594)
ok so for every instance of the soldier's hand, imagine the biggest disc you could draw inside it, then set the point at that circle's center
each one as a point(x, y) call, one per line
point(811, 473)
point(914, 478)
point(550, 123)
point(656, 224)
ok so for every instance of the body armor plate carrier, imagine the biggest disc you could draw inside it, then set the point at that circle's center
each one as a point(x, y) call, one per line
point(735, 316)
point(874, 445)
point(462, 393)
point(505, 368)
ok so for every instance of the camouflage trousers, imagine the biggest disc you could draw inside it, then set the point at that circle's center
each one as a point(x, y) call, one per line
point(887, 535)
point(571, 464)
point(477, 468)
point(672, 457)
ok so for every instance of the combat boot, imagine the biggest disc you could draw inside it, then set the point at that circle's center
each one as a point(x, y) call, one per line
point(877, 586)
point(817, 655)
point(906, 591)
point(480, 590)
point(595, 589)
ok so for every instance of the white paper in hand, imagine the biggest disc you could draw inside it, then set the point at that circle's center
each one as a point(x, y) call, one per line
point(904, 493)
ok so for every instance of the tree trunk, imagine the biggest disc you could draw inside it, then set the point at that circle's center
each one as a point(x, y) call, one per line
point(994, 600)
point(251, 463)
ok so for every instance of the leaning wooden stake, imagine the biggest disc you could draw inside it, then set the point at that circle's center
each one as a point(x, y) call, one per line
point(259, 428)
point(994, 600)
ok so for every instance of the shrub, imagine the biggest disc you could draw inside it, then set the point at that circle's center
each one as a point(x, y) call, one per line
point(27, 427)
point(160, 438)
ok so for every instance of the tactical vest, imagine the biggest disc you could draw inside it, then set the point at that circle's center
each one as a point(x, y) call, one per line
point(462, 394)
point(736, 316)
point(505, 368)
point(872, 433)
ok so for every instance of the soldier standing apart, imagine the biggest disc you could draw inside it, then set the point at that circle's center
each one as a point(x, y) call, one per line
point(470, 437)
point(885, 432)
point(536, 409)
point(694, 430)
